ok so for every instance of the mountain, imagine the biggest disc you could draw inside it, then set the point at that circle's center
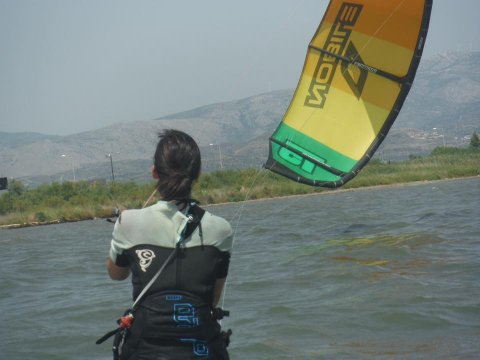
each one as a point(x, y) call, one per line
point(446, 94)
point(12, 140)
point(134, 142)
point(443, 108)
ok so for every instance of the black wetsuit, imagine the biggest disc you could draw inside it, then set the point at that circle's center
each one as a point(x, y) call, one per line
point(174, 320)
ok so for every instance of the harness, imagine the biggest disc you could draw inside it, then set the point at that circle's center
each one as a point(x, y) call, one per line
point(177, 315)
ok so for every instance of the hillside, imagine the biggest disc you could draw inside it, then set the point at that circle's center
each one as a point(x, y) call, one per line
point(443, 107)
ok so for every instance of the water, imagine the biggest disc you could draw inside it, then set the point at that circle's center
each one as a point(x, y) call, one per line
point(385, 273)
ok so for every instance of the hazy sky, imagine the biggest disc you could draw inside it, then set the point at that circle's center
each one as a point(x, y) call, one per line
point(74, 65)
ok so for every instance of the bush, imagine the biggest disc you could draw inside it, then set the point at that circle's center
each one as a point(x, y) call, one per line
point(439, 151)
point(475, 141)
point(16, 187)
point(40, 216)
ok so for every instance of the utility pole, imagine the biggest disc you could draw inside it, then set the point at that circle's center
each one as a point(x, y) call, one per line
point(111, 165)
point(220, 155)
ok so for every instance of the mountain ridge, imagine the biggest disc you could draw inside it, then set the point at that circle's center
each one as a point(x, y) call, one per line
point(443, 107)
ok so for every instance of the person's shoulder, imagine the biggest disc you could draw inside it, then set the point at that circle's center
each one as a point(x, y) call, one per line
point(221, 229)
point(130, 216)
point(218, 222)
point(131, 220)
point(156, 225)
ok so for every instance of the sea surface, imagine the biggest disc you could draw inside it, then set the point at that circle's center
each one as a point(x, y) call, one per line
point(380, 273)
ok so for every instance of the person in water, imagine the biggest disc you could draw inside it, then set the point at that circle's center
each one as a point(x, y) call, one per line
point(177, 316)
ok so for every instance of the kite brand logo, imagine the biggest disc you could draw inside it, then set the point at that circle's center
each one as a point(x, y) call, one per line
point(337, 44)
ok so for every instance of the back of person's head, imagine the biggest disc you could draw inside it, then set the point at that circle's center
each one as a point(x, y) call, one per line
point(177, 162)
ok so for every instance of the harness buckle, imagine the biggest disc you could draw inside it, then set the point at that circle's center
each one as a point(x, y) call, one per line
point(125, 322)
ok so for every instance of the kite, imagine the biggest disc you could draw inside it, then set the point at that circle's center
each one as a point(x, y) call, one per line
point(358, 71)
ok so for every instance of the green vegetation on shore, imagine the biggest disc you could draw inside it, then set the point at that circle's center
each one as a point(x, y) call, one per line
point(70, 201)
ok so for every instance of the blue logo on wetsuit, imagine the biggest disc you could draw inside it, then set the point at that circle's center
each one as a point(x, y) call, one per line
point(200, 347)
point(184, 315)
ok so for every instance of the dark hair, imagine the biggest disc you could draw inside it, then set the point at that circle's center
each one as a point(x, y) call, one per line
point(177, 160)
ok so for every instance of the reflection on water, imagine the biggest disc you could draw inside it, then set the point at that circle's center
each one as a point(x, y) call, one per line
point(375, 274)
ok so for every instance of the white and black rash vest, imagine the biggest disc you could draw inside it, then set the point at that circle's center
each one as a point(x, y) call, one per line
point(143, 239)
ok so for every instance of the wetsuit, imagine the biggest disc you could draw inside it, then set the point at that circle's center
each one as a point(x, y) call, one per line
point(174, 320)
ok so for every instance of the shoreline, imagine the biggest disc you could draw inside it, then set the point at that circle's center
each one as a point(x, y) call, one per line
point(325, 192)
point(360, 188)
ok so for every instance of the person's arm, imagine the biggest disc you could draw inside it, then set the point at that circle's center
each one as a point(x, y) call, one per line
point(217, 291)
point(117, 272)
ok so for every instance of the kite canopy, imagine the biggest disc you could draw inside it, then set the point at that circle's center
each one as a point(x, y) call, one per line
point(359, 68)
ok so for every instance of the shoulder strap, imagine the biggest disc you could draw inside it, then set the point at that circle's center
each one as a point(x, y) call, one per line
point(194, 214)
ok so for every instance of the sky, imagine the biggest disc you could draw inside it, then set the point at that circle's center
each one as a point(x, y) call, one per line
point(68, 66)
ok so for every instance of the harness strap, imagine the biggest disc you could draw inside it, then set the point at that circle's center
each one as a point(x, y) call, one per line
point(107, 335)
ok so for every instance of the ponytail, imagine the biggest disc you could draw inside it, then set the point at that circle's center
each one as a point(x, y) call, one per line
point(178, 163)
